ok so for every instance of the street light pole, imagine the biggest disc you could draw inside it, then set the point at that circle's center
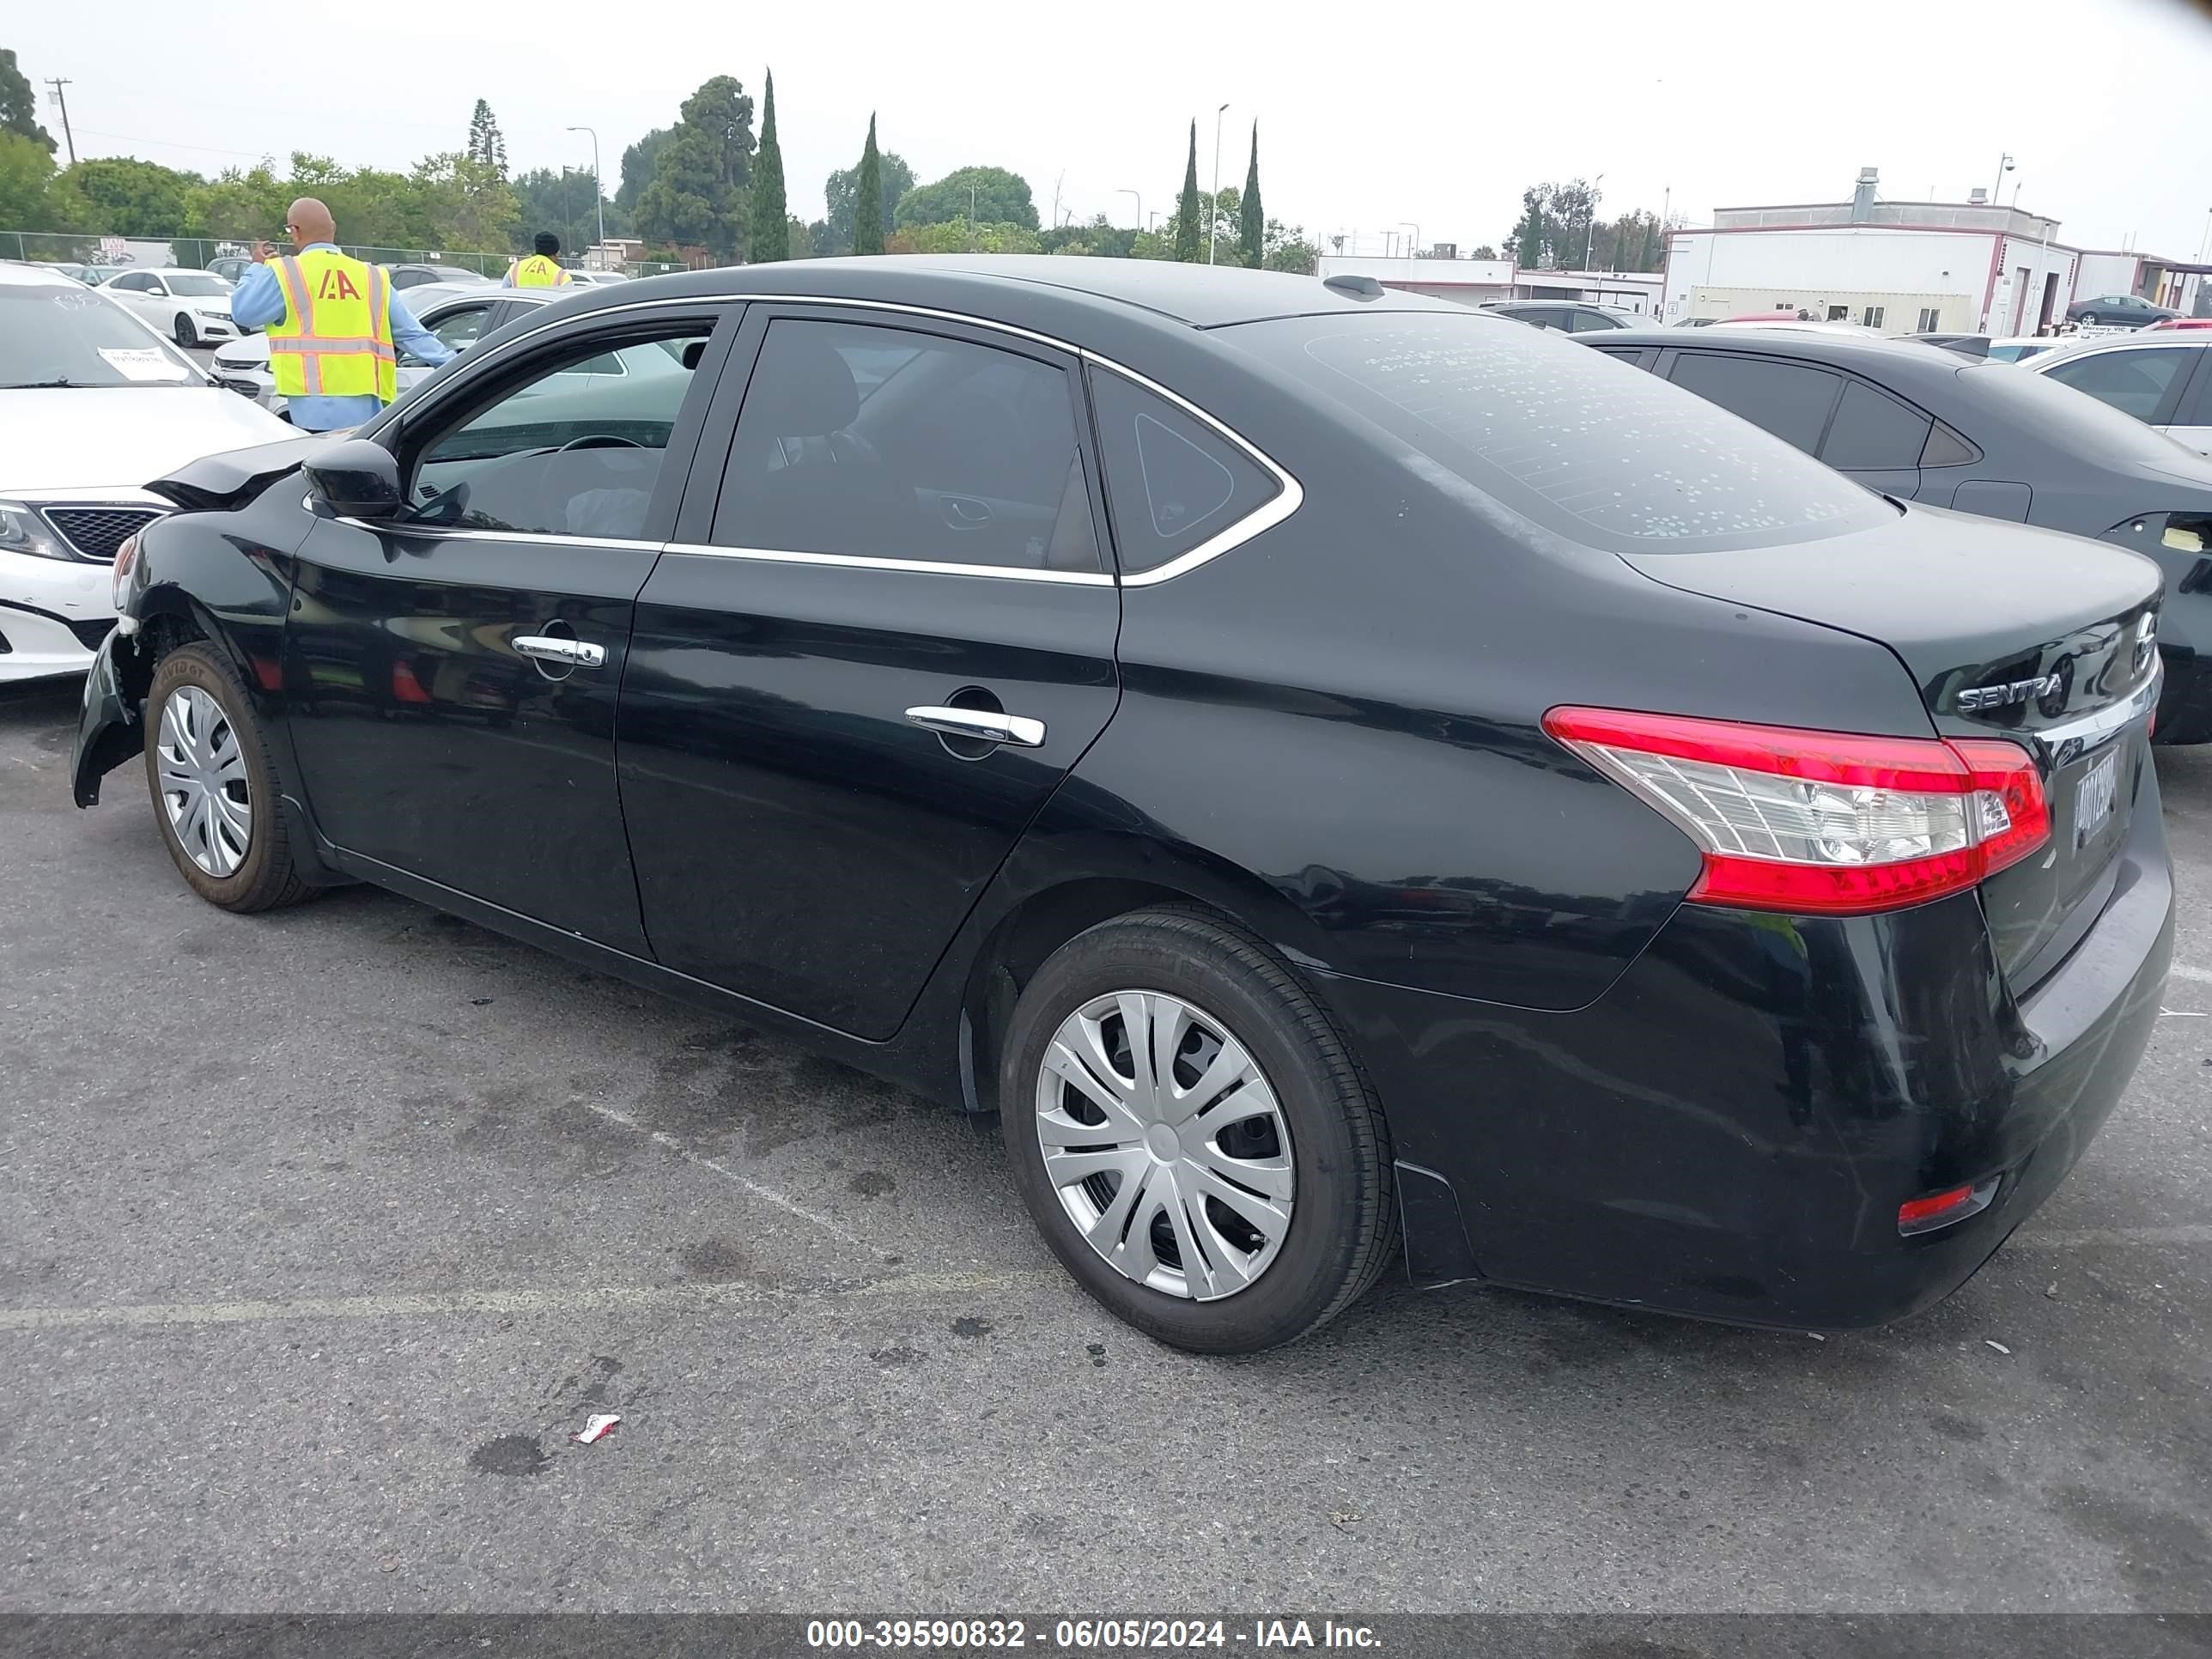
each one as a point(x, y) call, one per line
point(2004, 166)
point(599, 186)
point(1414, 250)
point(1139, 200)
point(1213, 207)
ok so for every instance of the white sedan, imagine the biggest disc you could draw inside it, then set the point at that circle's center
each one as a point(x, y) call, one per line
point(92, 403)
point(190, 307)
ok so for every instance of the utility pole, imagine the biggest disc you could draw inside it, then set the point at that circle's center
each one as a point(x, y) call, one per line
point(68, 137)
point(598, 187)
point(2004, 166)
point(1213, 207)
point(1125, 191)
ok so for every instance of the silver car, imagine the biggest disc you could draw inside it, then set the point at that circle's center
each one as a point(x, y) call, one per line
point(2163, 377)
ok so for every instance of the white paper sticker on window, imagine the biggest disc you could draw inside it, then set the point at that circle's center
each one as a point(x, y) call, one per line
point(143, 363)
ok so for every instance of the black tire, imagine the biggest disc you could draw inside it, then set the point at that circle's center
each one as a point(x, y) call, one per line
point(1343, 1223)
point(2086, 319)
point(266, 879)
point(187, 336)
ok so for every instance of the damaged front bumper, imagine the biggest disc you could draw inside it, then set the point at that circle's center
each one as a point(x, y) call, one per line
point(110, 726)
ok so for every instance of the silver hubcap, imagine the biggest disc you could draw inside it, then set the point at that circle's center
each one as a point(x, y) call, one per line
point(1165, 1144)
point(203, 781)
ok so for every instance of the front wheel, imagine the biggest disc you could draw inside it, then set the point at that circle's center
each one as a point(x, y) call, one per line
point(1192, 1137)
point(214, 785)
point(187, 336)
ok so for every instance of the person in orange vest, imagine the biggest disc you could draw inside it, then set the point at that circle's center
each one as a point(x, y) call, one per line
point(334, 325)
point(542, 268)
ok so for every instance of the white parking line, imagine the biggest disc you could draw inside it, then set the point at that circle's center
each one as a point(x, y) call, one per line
point(2186, 970)
point(2184, 1233)
point(733, 1298)
point(770, 1195)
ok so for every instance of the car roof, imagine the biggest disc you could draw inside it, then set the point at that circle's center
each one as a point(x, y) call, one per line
point(36, 276)
point(2199, 339)
point(1199, 296)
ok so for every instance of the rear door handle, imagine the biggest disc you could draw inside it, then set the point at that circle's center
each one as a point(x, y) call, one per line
point(988, 724)
point(548, 648)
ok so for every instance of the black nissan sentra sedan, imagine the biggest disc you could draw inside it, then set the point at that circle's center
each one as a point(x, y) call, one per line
point(1332, 770)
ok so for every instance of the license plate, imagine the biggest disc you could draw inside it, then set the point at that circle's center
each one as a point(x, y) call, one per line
point(2093, 799)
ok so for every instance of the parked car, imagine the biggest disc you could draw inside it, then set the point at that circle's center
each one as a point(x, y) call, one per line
point(190, 307)
point(597, 278)
point(2162, 380)
point(1327, 769)
point(1967, 345)
point(415, 276)
point(1567, 317)
point(1693, 322)
point(1983, 438)
point(231, 267)
point(92, 403)
point(457, 313)
point(2116, 310)
point(2019, 348)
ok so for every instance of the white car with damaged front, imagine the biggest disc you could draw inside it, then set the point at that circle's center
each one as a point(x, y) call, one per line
point(92, 403)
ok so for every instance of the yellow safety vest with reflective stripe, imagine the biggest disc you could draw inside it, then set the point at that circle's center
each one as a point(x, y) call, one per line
point(335, 337)
point(539, 272)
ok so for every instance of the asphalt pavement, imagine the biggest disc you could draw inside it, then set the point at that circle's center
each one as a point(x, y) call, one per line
point(321, 1232)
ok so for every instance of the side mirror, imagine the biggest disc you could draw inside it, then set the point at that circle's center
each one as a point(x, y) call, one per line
point(356, 477)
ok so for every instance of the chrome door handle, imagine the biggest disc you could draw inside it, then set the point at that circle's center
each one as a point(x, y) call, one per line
point(985, 723)
point(548, 648)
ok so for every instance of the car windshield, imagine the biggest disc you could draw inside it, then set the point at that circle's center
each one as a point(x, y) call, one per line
point(2069, 419)
point(197, 284)
point(50, 335)
point(1581, 444)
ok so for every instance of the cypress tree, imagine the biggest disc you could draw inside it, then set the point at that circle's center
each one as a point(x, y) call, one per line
point(868, 199)
point(771, 231)
point(1187, 247)
point(1253, 244)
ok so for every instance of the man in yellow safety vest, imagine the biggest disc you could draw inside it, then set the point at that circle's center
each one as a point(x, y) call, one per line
point(334, 325)
point(542, 268)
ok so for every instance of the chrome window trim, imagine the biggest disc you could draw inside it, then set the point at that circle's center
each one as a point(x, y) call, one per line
point(926, 566)
point(1289, 497)
point(529, 537)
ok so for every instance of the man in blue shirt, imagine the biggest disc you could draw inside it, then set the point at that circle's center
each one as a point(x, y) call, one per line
point(259, 301)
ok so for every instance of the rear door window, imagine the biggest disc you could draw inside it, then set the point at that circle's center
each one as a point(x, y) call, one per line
point(1790, 400)
point(2134, 382)
point(1584, 446)
point(1173, 483)
point(888, 443)
point(1873, 432)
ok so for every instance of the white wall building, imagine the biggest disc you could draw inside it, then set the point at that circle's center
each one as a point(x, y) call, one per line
point(1900, 267)
point(1473, 282)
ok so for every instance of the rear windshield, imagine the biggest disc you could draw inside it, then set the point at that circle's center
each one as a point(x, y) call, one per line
point(2066, 418)
point(1587, 447)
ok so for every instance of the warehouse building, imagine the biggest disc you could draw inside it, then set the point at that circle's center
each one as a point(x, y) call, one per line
point(1971, 267)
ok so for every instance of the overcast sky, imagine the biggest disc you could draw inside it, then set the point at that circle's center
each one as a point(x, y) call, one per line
point(1369, 115)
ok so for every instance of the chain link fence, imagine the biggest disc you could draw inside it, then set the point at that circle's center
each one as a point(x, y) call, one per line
point(199, 252)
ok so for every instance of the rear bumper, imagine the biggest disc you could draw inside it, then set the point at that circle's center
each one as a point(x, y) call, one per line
point(1728, 1131)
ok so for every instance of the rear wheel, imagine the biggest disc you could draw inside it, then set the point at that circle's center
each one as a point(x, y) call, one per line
point(187, 336)
point(2087, 319)
point(1192, 1137)
point(214, 785)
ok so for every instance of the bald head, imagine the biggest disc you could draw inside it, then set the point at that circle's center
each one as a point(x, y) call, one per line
point(309, 221)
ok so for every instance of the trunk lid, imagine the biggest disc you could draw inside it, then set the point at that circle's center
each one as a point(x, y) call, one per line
point(2009, 632)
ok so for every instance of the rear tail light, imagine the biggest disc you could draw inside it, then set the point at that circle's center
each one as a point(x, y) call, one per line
point(1821, 822)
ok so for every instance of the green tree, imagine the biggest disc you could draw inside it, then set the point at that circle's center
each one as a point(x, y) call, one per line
point(130, 197)
point(868, 198)
point(771, 230)
point(459, 204)
point(26, 170)
point(1485, 251)
point(1529, 238)
point(1289, 248)
point(959, 236)
point(834, 230)
point(697, 195)
point(487, 145)
point(637, 164)
point(987, 195)
point(560, 200)
point(798, 239)
point(1187, 212)
point(238, 205)
point(1252, 244)
point(19, 105)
